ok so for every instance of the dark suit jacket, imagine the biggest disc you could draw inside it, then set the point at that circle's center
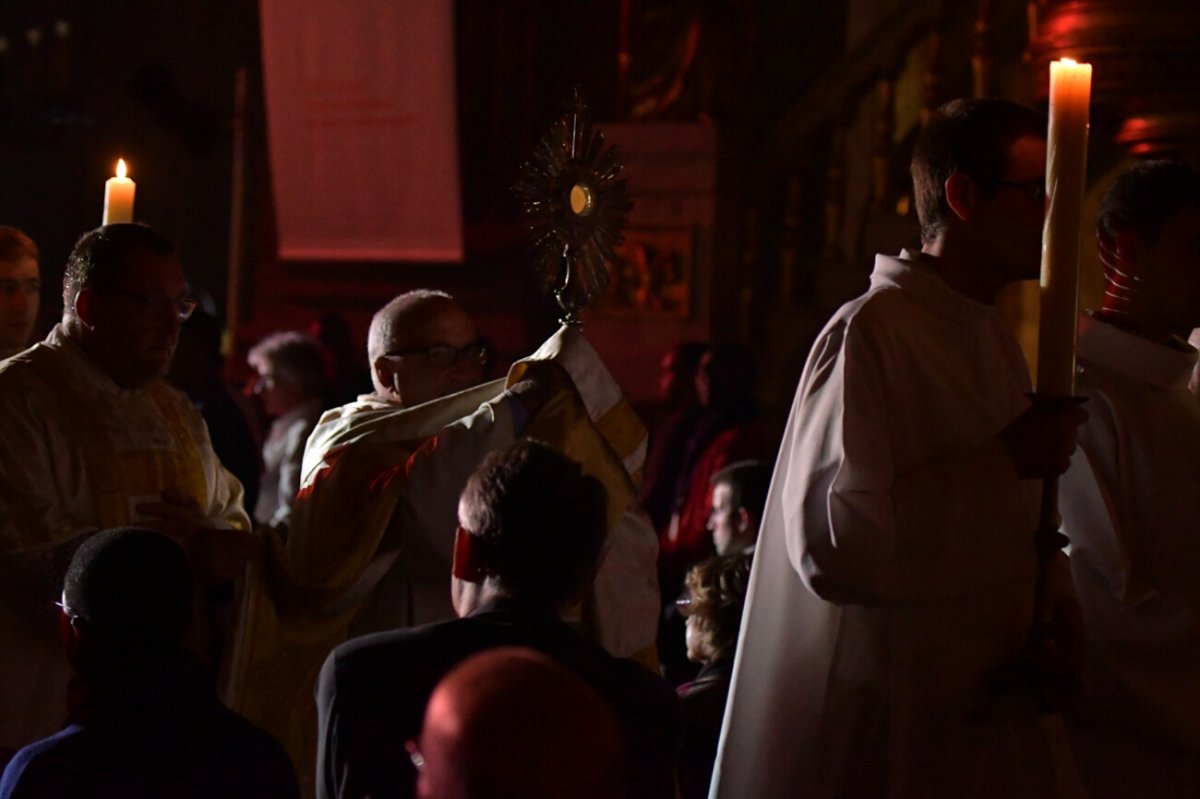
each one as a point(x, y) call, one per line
point(703, 702)
point(154, 730)
point(373, 690)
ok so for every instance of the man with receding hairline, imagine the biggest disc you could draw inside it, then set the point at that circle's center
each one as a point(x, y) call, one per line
point(429, 324)
point(371, 538)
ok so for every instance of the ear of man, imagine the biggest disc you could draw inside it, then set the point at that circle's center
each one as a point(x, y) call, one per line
point(71, 631)
point(962, 195)
point(385, 373)
point(743, 520)
point(1128, 245)
point(85, 308)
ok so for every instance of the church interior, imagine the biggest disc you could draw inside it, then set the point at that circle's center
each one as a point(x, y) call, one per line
point(788, 127)
point(312, 161)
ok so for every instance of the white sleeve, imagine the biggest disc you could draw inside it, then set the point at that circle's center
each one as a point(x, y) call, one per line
point(225, 498)
point(439, 468)
point(34, 511)
point(625, 597)
point(858, 531)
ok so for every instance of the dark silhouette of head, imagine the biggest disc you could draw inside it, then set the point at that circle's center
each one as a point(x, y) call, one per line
point(198, 361)
point(725, 380)
point(1148, 226)
point(538, 523)
point(293, 368)
point(1146, 196)
point(677, 379)
point(127, 593)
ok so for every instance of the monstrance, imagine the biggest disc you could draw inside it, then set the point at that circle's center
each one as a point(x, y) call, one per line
point(575, 202)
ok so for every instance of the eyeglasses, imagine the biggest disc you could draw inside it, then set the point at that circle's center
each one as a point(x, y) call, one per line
point(414, 755)
point(1034, 189)
point(182, 306)
point(70, 614)
point(444, 355)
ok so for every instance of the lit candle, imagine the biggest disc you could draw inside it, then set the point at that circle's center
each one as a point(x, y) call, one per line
point(118, 197)
point(1066, 165)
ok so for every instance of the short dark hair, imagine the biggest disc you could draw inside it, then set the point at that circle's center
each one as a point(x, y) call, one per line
point(1145, 197)
point(968, 136)
point(748, 483)
point(299, 358)
point(717, 588)
point(100, 254)
point(14, 244)
point(542, 522)
point(132, 586)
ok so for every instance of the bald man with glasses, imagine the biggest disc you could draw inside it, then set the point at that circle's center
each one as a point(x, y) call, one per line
point(92, 437)
point(372, 533)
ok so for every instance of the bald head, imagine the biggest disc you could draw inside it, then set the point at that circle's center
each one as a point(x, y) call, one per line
point(399, 342)
point(510, 722)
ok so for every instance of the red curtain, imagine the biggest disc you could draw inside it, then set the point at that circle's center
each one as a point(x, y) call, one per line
point(361, 129)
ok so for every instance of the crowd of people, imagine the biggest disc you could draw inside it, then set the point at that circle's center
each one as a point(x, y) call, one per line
point(436, 584)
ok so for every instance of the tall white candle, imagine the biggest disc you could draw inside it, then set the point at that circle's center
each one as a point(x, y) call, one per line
point(1066, 167)
point(118, 197)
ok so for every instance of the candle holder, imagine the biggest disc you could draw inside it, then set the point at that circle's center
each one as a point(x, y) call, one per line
point(1041, 672)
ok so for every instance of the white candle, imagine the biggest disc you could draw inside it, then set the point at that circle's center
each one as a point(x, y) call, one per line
point(1066, 167)
point(118, 197)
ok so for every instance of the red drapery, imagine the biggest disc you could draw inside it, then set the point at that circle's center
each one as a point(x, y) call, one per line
point(361, 127)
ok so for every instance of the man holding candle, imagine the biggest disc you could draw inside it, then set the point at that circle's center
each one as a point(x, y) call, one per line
point(1130, 503)
point(94, 438)
point(894, 575)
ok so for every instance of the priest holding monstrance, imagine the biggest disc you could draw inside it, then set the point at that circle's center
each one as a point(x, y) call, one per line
point(372, 537)
point(905, 636)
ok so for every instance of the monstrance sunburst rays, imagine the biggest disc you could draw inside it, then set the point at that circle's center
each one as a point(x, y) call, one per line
point(575, 201)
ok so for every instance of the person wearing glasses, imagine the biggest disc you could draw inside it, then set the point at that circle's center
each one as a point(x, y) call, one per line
point(894, 576)
point(20, 290)
point(371, 539)
point(94, 437)
point(294, 387)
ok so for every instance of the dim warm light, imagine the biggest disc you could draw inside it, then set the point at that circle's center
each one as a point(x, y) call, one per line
point(120, 167)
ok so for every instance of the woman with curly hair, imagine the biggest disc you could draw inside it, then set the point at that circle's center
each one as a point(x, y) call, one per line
point(714, 595)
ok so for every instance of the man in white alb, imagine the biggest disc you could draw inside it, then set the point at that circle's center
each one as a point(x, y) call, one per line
point(893, 580)
point(1131, 499)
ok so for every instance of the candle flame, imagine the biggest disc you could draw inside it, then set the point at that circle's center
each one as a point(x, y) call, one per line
point(1068, 61)
point(120, 167)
